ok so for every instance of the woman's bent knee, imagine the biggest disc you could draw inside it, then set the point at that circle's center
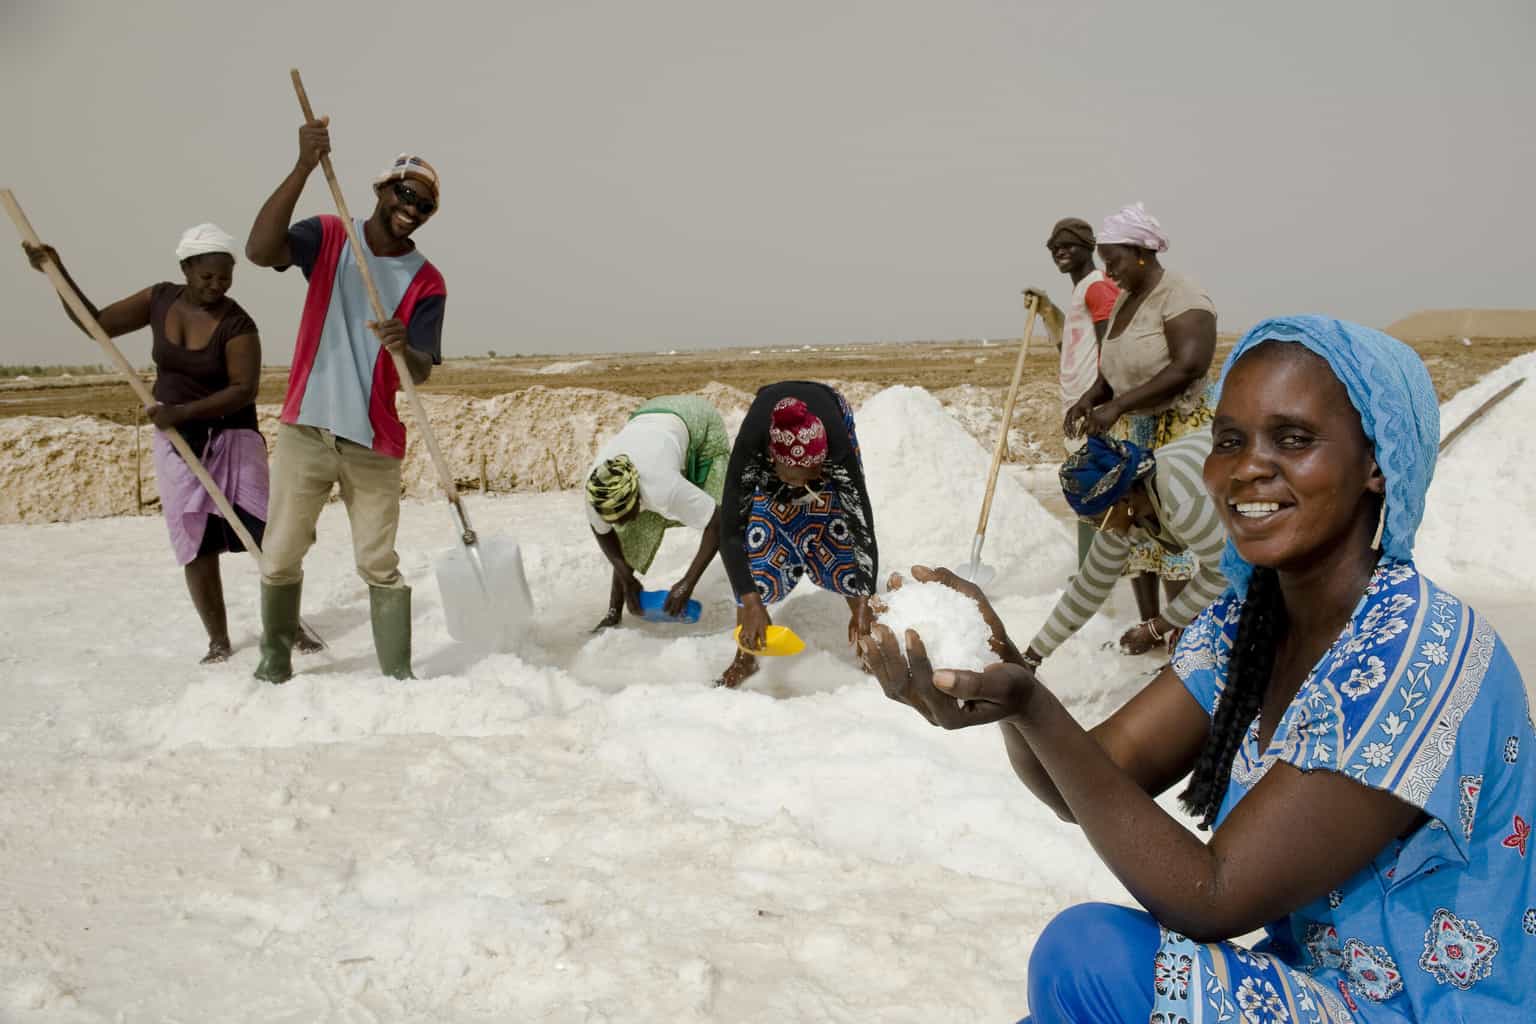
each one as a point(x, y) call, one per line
point(1093, 962)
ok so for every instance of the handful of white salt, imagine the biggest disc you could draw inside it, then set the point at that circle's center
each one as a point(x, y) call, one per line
point(953, 631)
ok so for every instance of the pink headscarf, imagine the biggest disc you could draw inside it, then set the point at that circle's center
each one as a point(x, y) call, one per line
point(795, 436)
point(1133, 225)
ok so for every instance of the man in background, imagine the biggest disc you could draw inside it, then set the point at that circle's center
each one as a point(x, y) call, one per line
point(1078, 331)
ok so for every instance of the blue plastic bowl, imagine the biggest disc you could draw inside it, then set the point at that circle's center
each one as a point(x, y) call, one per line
point(651, 602)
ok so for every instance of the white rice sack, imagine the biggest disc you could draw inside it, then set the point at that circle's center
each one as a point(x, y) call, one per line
point(953, 631)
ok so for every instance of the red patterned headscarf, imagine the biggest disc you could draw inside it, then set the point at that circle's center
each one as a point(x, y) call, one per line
point(795, 437)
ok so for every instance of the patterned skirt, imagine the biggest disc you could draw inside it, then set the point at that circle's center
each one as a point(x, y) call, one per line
point(237, 462)
point(787, 541)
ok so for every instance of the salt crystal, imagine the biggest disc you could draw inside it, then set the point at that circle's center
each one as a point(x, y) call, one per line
point(953, 631)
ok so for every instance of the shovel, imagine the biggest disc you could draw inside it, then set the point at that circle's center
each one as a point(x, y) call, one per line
point(975, 570)
point(77, 306)
point(486, 600)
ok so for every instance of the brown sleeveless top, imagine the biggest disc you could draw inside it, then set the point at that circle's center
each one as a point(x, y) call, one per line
point(183, 375)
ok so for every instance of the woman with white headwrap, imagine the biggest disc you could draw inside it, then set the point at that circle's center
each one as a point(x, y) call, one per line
point(1154, 381)
point(208, 363)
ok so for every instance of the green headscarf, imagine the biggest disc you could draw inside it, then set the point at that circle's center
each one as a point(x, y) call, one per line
point(613, 489)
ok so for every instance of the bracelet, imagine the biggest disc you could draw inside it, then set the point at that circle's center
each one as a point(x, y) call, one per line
point(1031, 659)
point(1150, 628)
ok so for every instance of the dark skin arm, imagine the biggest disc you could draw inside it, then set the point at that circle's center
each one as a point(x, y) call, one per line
point(682, 590)
point(1191, 346)
point(1048, 311)
point(753, 620)
point(392, 335)
point(1292, 838)
point(1055, 320)
point(242, 361)
point(609, 543)
point(1077, 416)
point(267, 243)
point(122, 317)
point(1154, 739)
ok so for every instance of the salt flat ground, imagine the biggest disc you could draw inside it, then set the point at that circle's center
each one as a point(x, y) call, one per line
point(582, 831)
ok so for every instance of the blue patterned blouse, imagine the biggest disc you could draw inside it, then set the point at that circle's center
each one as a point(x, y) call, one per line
point(1418, 697)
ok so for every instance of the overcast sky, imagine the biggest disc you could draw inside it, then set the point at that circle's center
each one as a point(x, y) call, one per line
point(668, 174)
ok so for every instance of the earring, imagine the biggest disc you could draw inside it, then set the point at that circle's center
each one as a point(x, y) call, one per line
point(1381, 526)
point(1141, 263)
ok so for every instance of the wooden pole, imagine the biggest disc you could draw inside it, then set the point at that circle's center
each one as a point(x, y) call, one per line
point(1478, 413)
point(1002, 431)
point(555, 465)
point(138, 466)
point(1001, 447)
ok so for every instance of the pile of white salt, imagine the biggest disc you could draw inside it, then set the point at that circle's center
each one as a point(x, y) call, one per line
point(953, 631)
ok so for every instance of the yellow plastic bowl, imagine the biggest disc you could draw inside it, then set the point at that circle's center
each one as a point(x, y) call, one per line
point(777, 641)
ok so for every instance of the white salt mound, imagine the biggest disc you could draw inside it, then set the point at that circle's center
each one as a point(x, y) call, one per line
point(953, 631)
point(926, 476)
point(566, 367)
point(1476, 511)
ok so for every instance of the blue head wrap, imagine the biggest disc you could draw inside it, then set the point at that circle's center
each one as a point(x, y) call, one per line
point(1101, 472)
point(1390, 388)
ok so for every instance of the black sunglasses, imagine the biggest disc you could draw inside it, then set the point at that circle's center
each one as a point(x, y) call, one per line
point(410, 197)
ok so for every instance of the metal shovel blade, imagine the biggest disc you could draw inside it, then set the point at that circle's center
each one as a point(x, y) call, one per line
point(486, 600)
point(979, 573)
point(974, 569)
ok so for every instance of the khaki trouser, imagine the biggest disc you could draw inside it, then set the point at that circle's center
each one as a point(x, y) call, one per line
point(307, 462)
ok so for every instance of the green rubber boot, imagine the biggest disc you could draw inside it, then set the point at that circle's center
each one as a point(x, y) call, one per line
point(279, 628)
point(390, 609)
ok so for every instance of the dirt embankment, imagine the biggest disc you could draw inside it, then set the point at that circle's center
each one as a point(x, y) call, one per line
point(67, 449)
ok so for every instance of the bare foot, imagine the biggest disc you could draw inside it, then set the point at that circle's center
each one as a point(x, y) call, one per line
point(306, 642)
point(742, 668)
point(613, 618)
point(218, 651)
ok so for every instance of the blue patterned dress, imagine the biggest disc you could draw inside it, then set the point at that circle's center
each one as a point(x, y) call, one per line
point(1418, 697)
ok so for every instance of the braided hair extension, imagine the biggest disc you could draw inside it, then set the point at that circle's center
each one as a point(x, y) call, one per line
point(1252, 662)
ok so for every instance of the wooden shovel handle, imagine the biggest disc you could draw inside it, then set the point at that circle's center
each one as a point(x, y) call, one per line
point(440, 464)
point(77, 306)
point(1002, 430)
point(1477, 413)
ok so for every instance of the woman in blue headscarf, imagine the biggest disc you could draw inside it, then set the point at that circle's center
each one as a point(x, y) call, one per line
point(1358, 740)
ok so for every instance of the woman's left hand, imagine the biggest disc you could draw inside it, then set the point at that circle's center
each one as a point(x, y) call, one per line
point(165, 417)
point(911, 680)
point(1102, 419)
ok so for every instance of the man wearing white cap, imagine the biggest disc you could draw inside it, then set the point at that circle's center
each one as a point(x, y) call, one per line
point(207, 367)
point(339, 424)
